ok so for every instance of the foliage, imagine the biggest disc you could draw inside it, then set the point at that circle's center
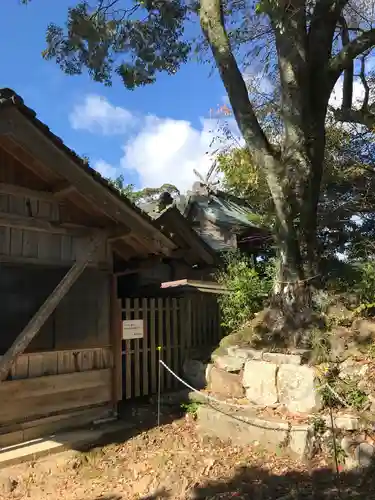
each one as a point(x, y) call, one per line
point(191, 408)
point(244, 178)
point(247, 290)
point(126, 190)
point(135, 40)
point(320, 346)
point(366, 285)
point(145, 195)
point(344, 391)
point(347, 195)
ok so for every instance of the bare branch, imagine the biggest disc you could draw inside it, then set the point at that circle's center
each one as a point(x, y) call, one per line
point(347, 91)
point(362, 76)
point(357, 116)
point(345, 57)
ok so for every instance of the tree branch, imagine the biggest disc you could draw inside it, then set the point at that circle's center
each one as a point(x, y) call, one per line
point(355, 116)
point(362, 76)
point(345, 57)
point(212, 22)
point(347, 90)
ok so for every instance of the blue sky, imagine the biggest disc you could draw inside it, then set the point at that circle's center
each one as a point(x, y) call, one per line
point(152, 135)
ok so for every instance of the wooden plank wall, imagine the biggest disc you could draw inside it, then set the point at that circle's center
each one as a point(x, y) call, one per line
point(43, 247)
point(81, 319)
point(33, 365)
point(29, 399)
point(52, 391)
point(176, 325)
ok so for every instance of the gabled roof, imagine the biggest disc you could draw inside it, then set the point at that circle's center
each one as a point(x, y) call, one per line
point(22, 133)
point(220, 208)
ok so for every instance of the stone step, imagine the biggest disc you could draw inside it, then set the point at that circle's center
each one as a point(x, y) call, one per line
point(72, 440)
point(243, 427)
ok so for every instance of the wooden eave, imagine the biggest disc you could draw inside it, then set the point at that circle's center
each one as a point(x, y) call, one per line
point(65, 177)
point(176, 224)
point(201, 286)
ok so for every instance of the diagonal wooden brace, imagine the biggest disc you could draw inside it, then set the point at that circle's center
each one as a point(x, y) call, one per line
point(45, 311)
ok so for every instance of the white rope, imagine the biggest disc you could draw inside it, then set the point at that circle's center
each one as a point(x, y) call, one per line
point(339, 398)
point(209, 398)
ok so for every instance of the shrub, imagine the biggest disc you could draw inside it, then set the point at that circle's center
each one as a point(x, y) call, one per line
point(247, 290)
point(366, 285)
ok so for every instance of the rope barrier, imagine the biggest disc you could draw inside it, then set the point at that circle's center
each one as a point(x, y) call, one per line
point(207, 396)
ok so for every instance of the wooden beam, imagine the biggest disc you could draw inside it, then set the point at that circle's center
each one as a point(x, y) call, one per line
point(15, 190)
point(116, 341)
point(118, 235)
point(43, 262)
point(45, 311)
point(63, 190)
point(137, 266)
point(43, 225)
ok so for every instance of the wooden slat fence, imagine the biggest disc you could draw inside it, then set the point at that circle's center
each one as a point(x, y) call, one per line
point(177, 326)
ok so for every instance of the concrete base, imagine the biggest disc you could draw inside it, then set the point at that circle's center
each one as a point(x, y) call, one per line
point(73, 440)
point(243, 427)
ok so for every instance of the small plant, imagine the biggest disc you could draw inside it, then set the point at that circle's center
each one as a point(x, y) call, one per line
point(334, 448)
point(320, 346)
point(319, 425)
point(335, 392)
point(365, 289)
point(247, 290)
point(356, 398)
point(371, 350)
point(191, 408)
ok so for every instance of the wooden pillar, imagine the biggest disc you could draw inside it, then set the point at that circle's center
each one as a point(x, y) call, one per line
point(116, 342)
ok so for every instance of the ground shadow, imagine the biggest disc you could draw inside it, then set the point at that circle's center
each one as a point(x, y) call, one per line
point(137, 416)
point(254, 483)
point(160, 494)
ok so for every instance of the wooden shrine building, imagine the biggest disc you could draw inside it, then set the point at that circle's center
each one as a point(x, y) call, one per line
point(60, 320)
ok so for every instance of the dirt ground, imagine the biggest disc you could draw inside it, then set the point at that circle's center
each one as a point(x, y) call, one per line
point(174, 461)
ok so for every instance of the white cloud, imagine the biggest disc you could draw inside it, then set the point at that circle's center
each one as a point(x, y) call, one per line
point(167, 151)
point(97, 115)
point(105, 169)
point(160, 150)
point(335, 99)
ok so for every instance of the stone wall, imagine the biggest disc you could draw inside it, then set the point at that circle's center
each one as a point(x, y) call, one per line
point(263, 378)
point(258, 380)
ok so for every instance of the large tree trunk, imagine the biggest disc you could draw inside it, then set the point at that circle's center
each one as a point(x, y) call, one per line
point(286, 170)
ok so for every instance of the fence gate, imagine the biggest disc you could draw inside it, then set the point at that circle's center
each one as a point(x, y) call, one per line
point(176, 326)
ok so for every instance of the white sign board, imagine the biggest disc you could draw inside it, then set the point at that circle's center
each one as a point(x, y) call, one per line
point(132, 329)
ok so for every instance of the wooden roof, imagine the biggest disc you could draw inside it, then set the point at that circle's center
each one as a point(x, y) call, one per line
point(196, 249)
point(61, 173)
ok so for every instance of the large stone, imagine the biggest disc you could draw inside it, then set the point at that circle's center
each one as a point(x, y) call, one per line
point(259, 378)
point(339, 339)
point(282, 359)
point(245, 353)
point(229, 363)
point(195, 373)
point(347, 423)
point(224, 383)
point(364, 455)
point(297, 390)
point(365, 329)
point(300, 440)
